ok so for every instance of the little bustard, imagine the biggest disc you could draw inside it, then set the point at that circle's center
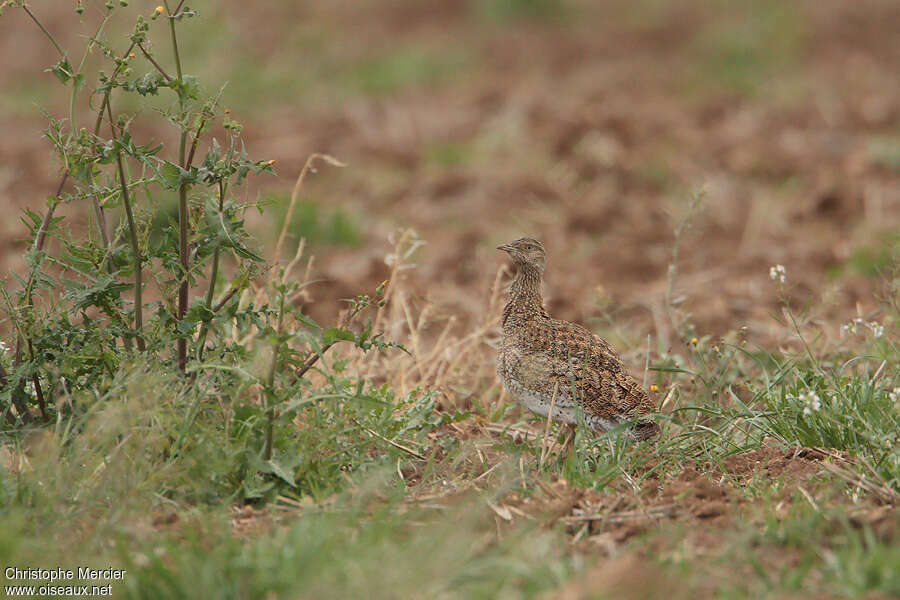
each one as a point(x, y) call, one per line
point(543, 360)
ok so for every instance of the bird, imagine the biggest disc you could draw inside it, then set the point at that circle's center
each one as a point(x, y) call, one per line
point(544, 361)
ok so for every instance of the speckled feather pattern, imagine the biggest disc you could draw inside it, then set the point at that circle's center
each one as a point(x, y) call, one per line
point(541, 356)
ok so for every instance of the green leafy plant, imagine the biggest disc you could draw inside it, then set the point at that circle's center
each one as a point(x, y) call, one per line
point(144, 284)
point(106, 167)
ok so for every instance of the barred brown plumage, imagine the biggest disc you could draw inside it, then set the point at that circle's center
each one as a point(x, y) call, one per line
point(544, 361)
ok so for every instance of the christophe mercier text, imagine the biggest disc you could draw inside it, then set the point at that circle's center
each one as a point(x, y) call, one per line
point(51, 575)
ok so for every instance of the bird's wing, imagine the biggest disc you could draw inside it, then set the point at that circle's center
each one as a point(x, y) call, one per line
point(596, 373)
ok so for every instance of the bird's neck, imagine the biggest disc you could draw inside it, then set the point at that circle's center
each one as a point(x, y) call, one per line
point(525, 302)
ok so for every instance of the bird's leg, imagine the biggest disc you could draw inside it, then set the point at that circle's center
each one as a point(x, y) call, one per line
point(569, 442)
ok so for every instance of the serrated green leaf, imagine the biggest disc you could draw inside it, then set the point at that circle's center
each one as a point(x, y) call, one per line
point(170, 175)
point(333, 334)
point(306, 320)
point(62, 70)
point(275, 468)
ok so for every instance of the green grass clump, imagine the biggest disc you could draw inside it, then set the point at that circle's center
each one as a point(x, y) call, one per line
point(875, 261)
point(809, 551)
point(749, 47)
point(449, 154)
point(359, 547)
point(851, 412)
point(315, 225)
point(507, 10)
point(885, 151)
point(848, 412)
point(151, 444)
point(400, 69)
point(345, 430)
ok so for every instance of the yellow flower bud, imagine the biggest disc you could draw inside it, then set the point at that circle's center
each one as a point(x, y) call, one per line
point(654, 388)
point(160, 9)
point(694, 341)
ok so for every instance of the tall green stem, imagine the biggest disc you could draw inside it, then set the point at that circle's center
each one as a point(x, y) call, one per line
point(214, 274)
point(73, 117)
point(183, 225)
point(98, 209)
point(95, 202)
point(270, 383)
point(132, 235)
point(50, 37)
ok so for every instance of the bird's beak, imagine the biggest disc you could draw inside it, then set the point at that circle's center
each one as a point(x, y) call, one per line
point(505, 247)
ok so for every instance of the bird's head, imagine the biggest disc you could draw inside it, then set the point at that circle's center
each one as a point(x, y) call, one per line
point(526, 252)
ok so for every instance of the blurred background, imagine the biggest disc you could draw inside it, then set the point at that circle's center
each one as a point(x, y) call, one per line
point(589, 125)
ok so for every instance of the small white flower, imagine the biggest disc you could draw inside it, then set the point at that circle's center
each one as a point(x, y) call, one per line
point(853, 326)
point(895, 395)
point(3, 348)
point(778, 273)
point(811, 402)
point(858, 324)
